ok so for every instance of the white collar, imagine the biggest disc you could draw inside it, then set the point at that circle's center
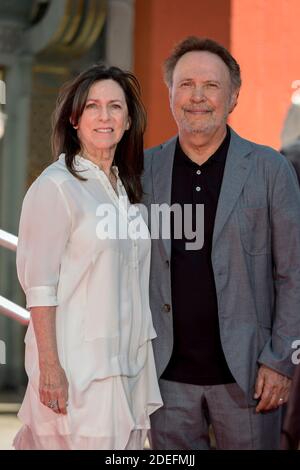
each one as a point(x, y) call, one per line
point(81, 161)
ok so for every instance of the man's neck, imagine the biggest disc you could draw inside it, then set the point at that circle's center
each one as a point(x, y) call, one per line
point(199, 147)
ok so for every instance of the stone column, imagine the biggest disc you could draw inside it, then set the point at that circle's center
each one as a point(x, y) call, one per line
point(119, 33)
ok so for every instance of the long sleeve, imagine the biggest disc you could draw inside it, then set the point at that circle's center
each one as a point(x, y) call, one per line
point(44, 230)
point(285, 226)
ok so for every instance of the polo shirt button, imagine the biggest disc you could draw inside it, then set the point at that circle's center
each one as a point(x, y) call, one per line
point(167, 308)
point(198, 188)
point(198, 172)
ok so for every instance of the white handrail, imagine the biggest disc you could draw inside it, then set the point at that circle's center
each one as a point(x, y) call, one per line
point(8, 308)
point(12, 310)
point(7, 240)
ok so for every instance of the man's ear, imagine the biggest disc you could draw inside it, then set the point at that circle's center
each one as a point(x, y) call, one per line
point(234, 100)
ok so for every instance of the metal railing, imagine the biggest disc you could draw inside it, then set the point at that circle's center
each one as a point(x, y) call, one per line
point(8, 308)
point(7, 240)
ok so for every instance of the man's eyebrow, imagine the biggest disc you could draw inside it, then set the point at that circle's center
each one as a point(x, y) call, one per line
point(212, 81)
point(192, 79)
point(186, 80)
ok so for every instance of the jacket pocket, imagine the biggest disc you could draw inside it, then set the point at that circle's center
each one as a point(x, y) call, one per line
point(255, 230)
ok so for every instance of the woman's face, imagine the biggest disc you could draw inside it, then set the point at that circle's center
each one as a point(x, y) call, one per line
point(105, 117)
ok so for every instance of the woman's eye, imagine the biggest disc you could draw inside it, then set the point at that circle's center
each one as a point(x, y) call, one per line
point(91, 105)
point(116, 106)
point(185, 84)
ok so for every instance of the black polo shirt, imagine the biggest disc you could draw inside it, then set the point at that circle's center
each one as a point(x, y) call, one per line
point(197, 356)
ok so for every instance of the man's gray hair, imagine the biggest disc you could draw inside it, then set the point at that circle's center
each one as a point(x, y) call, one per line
point(194, 43)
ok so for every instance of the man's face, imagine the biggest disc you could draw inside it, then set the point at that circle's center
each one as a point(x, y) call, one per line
point(201, 95)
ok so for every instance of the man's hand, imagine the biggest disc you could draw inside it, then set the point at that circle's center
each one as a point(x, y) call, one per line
point(272, 388)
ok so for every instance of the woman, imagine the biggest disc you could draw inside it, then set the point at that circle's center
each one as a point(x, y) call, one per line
point(84, 268)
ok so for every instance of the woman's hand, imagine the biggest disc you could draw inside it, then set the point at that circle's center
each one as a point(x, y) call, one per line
point(54, 385)
point(53, 388)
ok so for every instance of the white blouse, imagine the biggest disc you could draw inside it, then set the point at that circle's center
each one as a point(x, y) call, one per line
point(86, 250)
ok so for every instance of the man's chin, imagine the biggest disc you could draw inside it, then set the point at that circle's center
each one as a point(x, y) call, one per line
point(197, 129)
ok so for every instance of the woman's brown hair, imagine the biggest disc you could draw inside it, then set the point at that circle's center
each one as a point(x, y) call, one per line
point(69, 108)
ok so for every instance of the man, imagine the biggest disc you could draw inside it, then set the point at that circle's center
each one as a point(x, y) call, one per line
point(292, 153)
point(226, 314)
point(290, 435)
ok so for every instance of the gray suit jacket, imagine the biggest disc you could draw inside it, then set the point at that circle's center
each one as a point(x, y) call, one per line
point(255, 258)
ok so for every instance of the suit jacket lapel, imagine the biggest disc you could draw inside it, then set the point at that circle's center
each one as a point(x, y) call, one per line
point(237, 167)
point(162, 180)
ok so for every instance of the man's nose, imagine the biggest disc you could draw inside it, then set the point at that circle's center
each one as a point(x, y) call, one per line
point(198, 94)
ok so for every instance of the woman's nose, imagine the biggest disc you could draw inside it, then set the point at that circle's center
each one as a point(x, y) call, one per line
point(103, 114)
